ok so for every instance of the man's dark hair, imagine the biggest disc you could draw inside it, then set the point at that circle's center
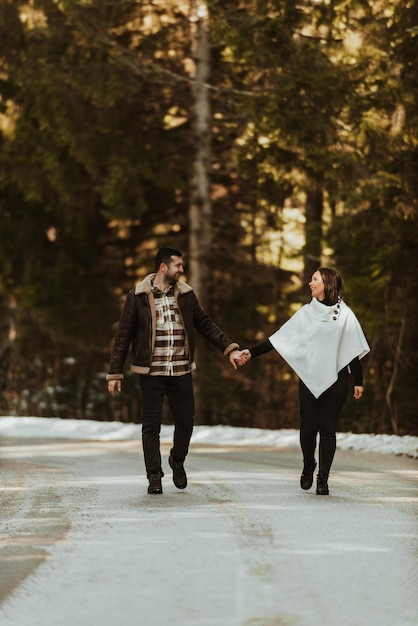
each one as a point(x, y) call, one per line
point(164, 256)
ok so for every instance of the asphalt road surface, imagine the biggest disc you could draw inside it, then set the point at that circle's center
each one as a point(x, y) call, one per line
point(83, 544)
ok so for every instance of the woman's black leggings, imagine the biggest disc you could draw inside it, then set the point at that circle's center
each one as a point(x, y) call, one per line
point(320, 415)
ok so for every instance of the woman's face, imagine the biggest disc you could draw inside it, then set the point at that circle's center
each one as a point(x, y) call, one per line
point(317, 286)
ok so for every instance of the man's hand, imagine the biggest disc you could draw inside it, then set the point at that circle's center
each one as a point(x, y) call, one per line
point(113, 386)
point(233, 356)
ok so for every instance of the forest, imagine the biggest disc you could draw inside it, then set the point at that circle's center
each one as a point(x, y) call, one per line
point(263, 138)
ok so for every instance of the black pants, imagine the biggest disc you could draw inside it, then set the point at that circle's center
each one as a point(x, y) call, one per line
point(320, 415)
point(179, 392)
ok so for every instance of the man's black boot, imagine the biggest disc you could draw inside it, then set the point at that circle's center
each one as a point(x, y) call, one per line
point(179, 475)
point(155, 485)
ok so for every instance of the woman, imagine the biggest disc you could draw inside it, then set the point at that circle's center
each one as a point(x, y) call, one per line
point(322, 343)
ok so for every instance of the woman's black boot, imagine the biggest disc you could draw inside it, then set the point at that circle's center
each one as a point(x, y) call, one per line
point(306, 478)
point(322, 484)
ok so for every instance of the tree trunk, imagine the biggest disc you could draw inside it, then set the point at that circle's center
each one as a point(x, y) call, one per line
point(391, 405)
point(200, 209)
point(7, 336)
point(313, 232)
point(200, 212)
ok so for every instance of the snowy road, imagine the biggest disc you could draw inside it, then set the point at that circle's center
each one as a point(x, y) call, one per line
point(82, 544)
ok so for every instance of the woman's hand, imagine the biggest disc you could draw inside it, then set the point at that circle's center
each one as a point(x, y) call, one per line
point(358, 392)
point(245, 356)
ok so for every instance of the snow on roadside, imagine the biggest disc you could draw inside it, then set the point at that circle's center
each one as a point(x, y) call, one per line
point(54, 427)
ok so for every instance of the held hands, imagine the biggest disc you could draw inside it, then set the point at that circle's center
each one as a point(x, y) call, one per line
point(239, 357)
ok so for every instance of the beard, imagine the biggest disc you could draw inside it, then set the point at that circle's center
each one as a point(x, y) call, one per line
point(172, 279)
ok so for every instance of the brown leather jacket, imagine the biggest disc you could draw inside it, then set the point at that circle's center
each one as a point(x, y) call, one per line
point(137, 327)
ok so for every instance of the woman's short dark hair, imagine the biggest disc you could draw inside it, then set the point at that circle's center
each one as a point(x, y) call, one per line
point(164, 256)
point(333, 284)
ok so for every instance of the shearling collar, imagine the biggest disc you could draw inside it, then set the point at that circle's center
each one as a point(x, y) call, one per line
point(145, 286)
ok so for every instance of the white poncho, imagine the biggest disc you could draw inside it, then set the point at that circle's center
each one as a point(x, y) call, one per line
point(318, 341)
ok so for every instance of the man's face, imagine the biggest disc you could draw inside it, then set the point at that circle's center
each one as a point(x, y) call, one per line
point(175, 269)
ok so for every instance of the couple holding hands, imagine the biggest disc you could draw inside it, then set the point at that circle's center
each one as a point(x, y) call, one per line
point(322, 342)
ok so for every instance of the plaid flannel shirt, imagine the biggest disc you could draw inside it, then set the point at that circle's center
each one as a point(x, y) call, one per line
point(169, 357)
